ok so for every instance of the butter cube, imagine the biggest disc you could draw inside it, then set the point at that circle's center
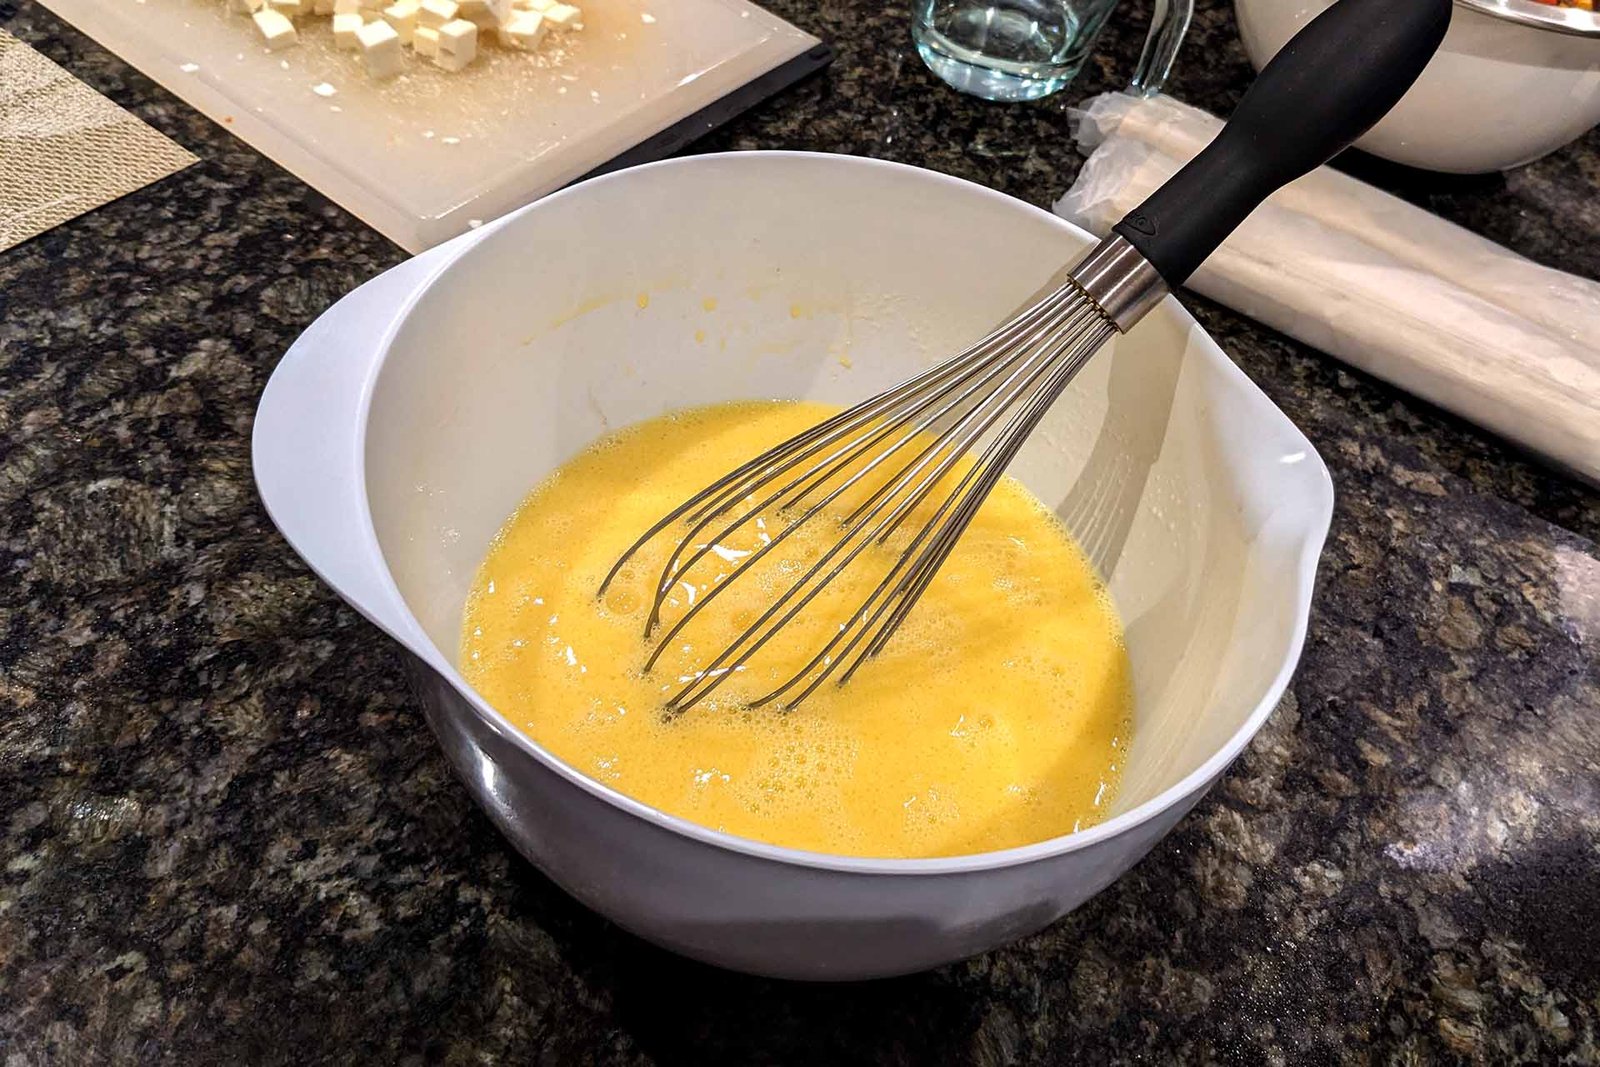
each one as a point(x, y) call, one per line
point(425, 42)
point(563, 17)
point(402, 18)
point(486, 14)
point(379, 43)
point(525, 30)
point(347, 7)
point(276, 31)
point(288, 8)
point(458, 44)
point(436, 13)
point(459, 36)
point(345, 28)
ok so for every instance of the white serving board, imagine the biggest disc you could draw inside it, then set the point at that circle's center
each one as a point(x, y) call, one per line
point(425, 156)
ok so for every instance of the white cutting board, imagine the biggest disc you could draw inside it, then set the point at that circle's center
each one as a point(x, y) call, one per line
point(425, 156)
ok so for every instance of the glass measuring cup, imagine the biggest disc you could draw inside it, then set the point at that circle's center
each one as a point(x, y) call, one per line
point(1024, 49)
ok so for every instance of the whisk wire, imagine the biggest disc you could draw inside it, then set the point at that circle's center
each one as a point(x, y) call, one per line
point(974, 490)
point(831, 466)
point(1002, 451)
point(821, 472)
point(1035, 360)
point(910, 586)
point(948, 410)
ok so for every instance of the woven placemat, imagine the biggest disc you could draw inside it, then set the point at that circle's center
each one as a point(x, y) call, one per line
point(64, 148)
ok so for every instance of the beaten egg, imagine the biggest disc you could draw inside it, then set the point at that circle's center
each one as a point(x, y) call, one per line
point(998, 715)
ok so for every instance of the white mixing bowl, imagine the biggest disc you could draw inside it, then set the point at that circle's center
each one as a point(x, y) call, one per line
point(1514, 80)
point(406, 424)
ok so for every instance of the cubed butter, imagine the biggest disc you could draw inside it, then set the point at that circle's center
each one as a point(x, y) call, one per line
point(436, 13)
point(379, 43)
point(486, 14)
point(402, 18)
point(525, 30)
point(345, 28)
point(458, 44)
point(563, 16)
point(276, 29)
point(446, 31)
point(460, 37)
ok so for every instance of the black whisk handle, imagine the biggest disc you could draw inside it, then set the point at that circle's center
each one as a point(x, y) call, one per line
point(1330, 84)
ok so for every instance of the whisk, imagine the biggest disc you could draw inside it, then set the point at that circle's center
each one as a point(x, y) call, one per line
point(955, 428)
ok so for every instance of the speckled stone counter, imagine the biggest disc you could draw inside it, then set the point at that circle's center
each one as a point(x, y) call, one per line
point(229, 837)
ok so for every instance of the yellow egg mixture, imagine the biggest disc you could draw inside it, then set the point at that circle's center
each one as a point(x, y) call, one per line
point(998, 714)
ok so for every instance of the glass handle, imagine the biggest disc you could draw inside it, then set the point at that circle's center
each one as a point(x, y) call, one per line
point(1168, 24)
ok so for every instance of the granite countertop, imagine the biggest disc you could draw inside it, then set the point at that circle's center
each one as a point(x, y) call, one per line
point(229, 836)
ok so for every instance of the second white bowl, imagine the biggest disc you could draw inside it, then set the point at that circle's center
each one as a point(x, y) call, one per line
point(1513, 81)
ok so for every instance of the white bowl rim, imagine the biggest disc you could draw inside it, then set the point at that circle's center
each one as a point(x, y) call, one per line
point(417, 641)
